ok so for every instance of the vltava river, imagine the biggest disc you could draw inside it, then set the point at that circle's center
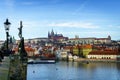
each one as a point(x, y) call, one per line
point(74, 71)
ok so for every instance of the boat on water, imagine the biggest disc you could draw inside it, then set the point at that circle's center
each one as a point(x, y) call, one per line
point(44, 58)
point(39, 61)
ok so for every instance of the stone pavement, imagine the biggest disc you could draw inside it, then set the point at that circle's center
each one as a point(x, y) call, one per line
point(4, 68)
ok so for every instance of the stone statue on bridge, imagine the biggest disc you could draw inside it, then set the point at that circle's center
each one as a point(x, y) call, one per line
point(20, 30)
point(22, 51)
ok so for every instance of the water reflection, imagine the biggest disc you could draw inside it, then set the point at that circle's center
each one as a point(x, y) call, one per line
point(74, 71)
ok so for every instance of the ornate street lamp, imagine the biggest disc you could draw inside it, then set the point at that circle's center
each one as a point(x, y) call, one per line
point(7, 26)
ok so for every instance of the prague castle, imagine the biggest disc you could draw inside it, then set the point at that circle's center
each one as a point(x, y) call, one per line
point(56, 37)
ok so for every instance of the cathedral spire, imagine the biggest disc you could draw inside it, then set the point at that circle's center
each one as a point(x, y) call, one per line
point(52, 33)
point(109, 37)
point(48, 34)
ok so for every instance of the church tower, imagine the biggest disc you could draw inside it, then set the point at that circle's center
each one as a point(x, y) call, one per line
point(49, 36)
point(109, 37)
point(52, 33)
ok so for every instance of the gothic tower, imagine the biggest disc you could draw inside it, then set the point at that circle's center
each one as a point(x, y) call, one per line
point(109, 37)
point(49, 35)
point(52, 33)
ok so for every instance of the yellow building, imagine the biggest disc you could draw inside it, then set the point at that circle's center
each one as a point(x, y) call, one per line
point(76, 50)
point(86, 49)
point(82, 50)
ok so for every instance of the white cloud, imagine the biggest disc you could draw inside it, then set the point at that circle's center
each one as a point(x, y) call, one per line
point(55, 1)
point(85, 34)
point(35, 23)
point(118, 27)
point(60, 24)
point(9, 3)
point(114, 26)
point(27, 3)
point(74, 24)
point(80, 7)
point(88, 32)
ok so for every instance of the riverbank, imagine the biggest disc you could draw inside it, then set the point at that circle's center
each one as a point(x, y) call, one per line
point(95, 60)
point(86, 60)
point(4, 68)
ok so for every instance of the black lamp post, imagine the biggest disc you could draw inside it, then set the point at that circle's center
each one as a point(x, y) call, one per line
point(7, 26)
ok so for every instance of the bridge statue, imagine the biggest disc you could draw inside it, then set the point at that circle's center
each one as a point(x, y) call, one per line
point(20, 30)
point(22, 51)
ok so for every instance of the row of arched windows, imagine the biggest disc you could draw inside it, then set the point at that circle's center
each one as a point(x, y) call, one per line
point(100, 58)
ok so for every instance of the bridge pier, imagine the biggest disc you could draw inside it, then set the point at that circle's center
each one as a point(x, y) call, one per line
point(18, 69)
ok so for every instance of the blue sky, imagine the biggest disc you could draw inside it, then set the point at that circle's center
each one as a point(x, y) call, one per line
point(86, 18)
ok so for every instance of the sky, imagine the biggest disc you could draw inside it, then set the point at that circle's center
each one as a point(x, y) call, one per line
point(85, 18)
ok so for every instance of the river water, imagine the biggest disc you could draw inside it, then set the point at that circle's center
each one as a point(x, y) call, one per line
point(74, 71)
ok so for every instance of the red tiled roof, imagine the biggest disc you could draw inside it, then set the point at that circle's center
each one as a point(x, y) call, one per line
point(87, 46)
point(104, 53)
point(67, 47)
